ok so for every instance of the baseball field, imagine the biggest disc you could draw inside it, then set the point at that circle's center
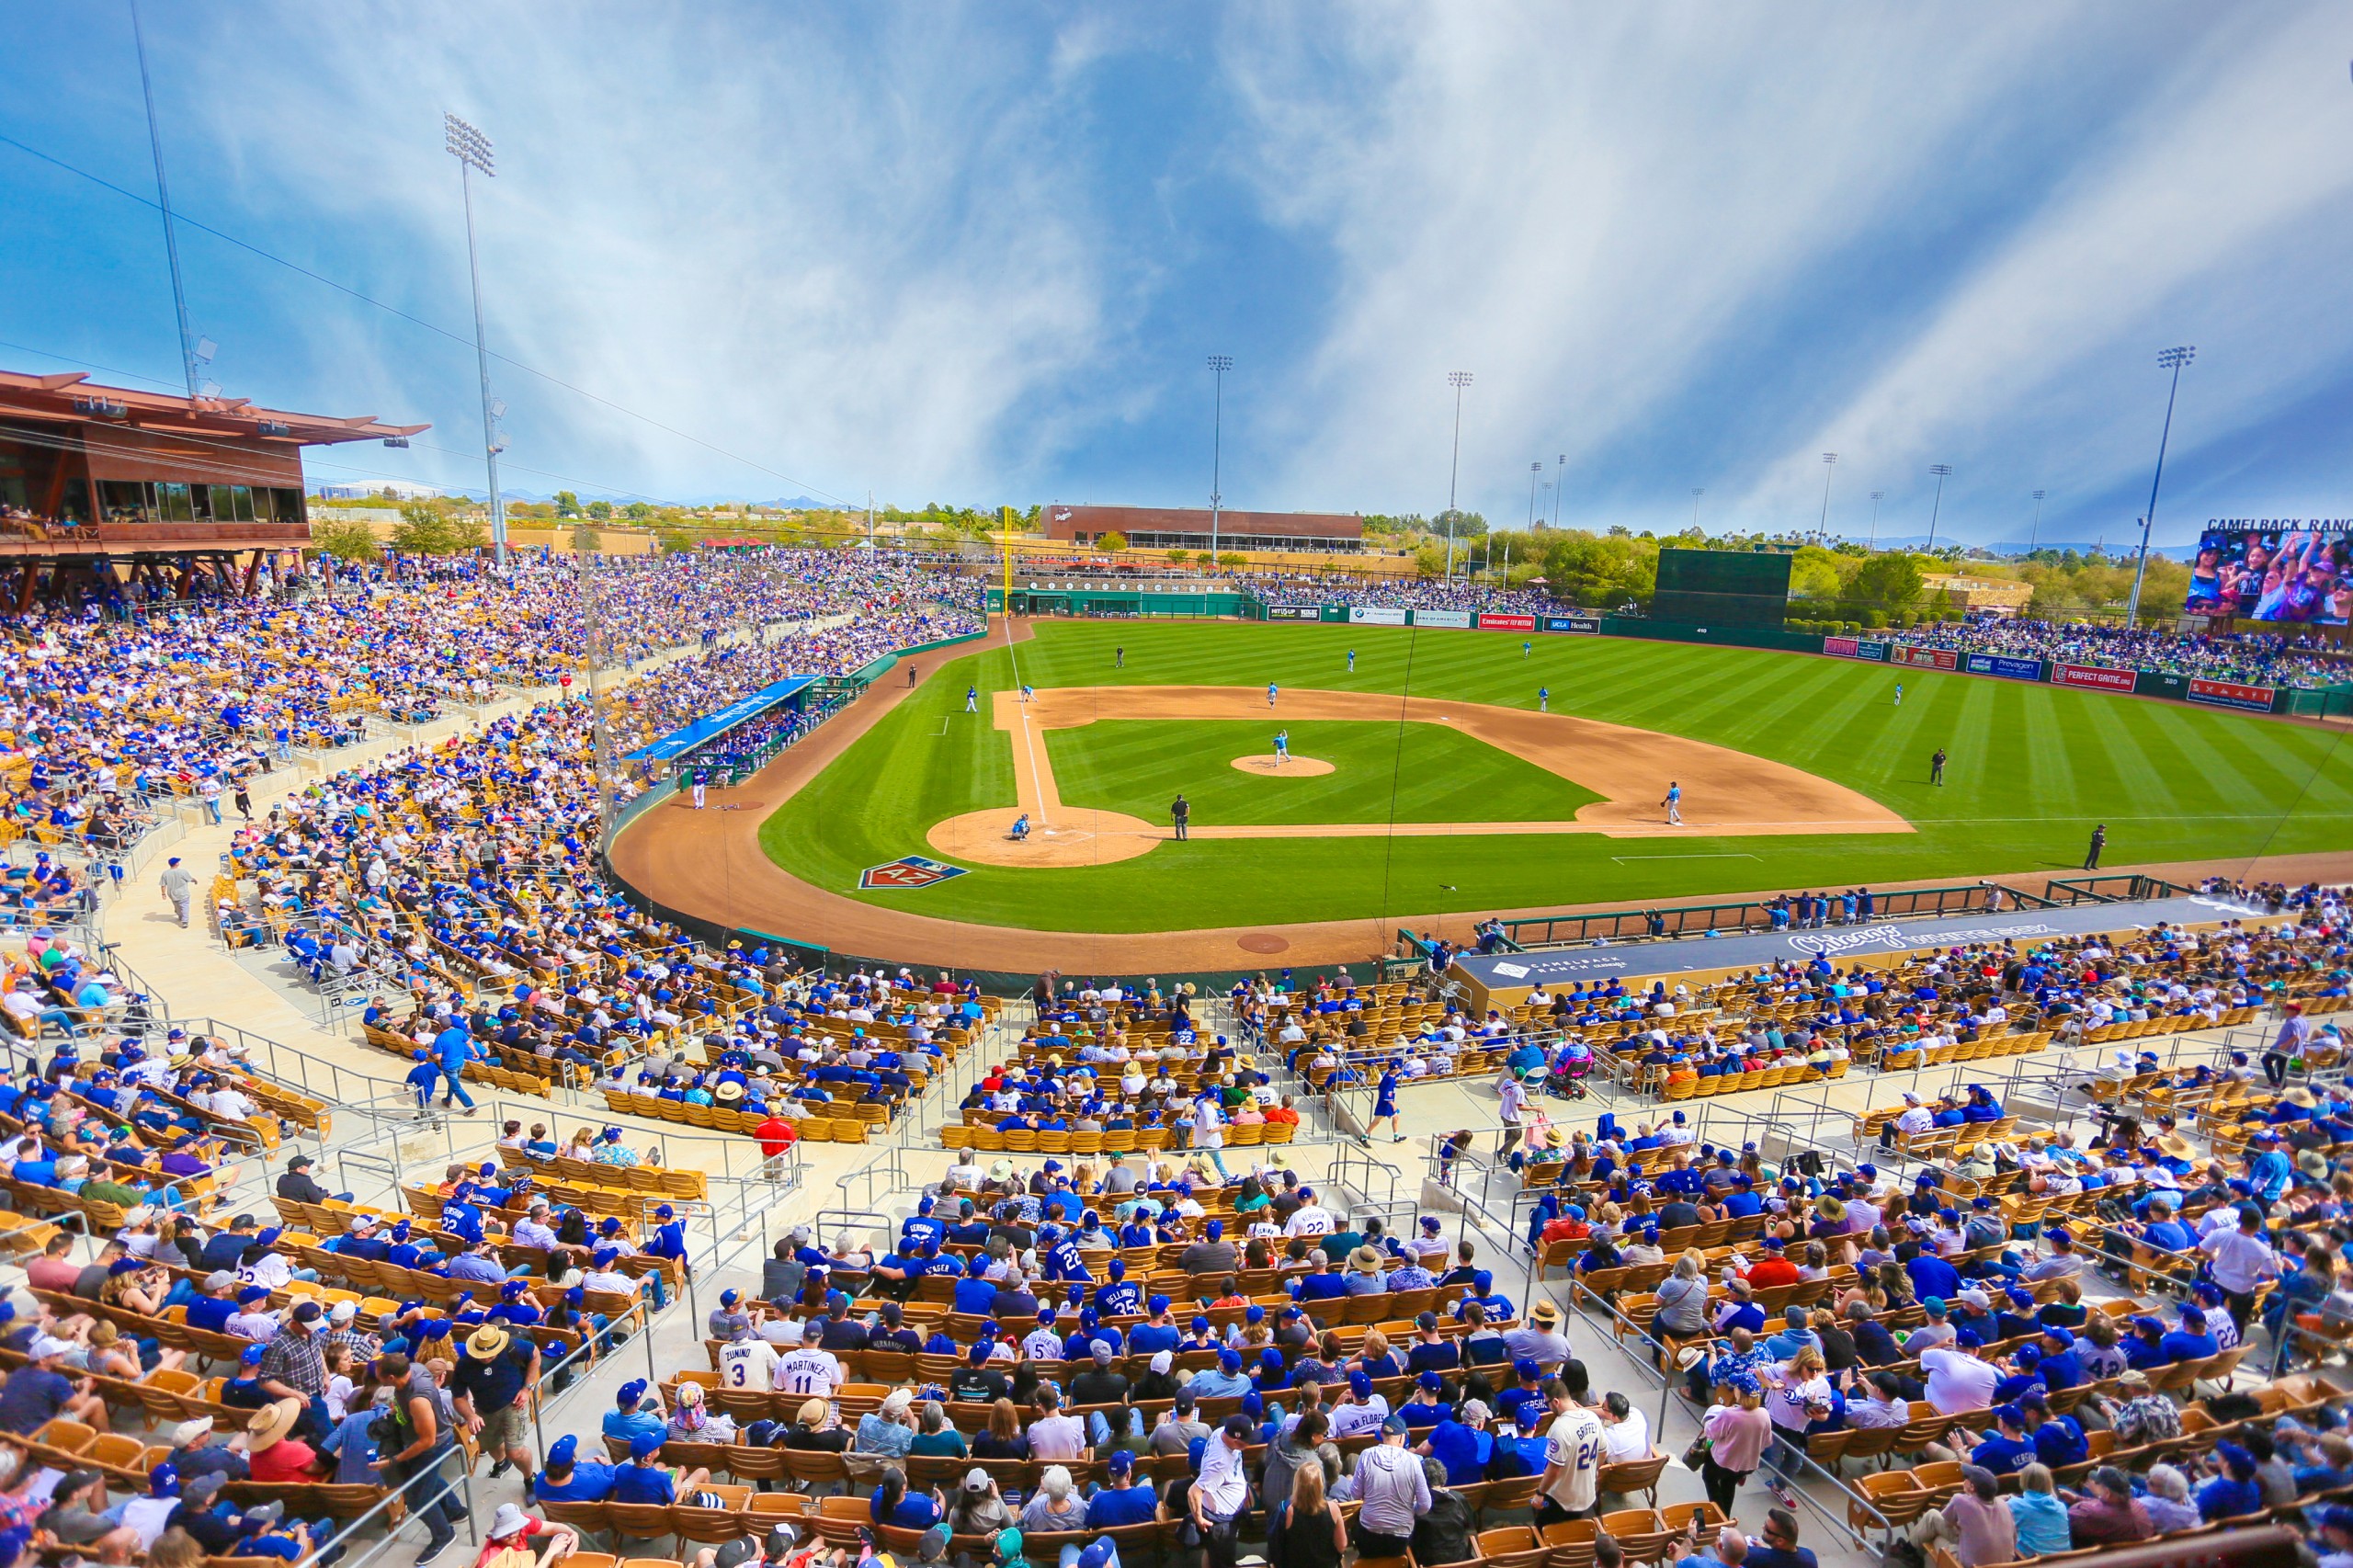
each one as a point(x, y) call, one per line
point(1426, 778)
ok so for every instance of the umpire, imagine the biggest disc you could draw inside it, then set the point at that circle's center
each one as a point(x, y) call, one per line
point(1180, 813)
point(2099, 842)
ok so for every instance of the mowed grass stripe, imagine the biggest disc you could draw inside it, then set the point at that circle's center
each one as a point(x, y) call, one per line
point(2032, 768)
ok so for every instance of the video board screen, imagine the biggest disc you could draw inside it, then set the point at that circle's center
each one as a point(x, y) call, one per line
point(2301, 574)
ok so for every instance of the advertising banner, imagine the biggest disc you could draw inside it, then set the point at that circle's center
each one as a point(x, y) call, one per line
point(1506, 623)
point(2160, 683)
point(1923, 658)
point(1294, 612)
point(2002, 665)
point(2230, 694)
point(1578, 625)
point(2098, 678)
point(1375, 615)
point(1841, 647)
point(1853, 648)
point(1457, 618)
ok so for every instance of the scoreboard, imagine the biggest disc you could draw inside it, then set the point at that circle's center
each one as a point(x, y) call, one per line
point(1725, 588)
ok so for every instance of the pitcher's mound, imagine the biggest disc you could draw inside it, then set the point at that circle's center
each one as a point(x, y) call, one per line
point(1275, 766)
point(1077, 836)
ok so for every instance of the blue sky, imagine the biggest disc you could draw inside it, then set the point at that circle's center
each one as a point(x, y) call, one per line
point(975, 254)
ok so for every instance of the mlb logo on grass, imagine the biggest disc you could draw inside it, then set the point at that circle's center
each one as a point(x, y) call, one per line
point(908, 872)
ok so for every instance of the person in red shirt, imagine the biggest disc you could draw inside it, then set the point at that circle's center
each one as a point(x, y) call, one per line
point(52, 1270)
point(511, 1528)
point(272, 1454)
point(776, 1135)
point(1283, 1115)
point(1772, 1268)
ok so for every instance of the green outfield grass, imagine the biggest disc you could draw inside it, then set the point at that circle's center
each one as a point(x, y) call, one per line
point(1133, 765)
point(2033, 768)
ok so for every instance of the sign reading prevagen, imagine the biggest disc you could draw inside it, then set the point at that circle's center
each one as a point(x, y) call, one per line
point(1506, 623)
point(2003, 665)
point(2230, 694)
point(1375, 615)
point(1452, 617)
point(2099, 677)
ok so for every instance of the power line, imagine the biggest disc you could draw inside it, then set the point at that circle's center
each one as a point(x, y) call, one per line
point(419, 321)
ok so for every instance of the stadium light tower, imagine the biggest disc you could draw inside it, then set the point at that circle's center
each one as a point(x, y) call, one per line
point(1221, 363)
point(1534, 470)
point(2171, 359)
point(471, 149)
point(2034, 530)
point(1560, 483)
point(1696, 493)
point(1943, 471)
point(1458, 380)
point(190, 360)
point(1829, 466)
point(1876, 496)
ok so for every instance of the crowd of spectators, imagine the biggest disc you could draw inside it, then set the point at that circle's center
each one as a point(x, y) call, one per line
point(1394, 592)
point(2248, 658)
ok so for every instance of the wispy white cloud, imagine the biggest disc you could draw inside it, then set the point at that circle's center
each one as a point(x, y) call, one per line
point(847, 255)
point(1703, 244)
point(972, 253)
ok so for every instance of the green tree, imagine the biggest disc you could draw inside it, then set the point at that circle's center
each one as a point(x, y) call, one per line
point(600, 510)
point(637, 511)
point(1178, 557)
point(1233, 559)
point(467, 533)
point(1430, 561)
point(1111, 543)
point(1889, 582)
point(567, 504)
point(586, 539)
point(1466, 525)
point(1600, 570)
point(344, 539)
point(423, 531)
point(1813, 574)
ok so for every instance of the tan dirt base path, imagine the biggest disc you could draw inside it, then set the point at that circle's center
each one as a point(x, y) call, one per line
point(1724, 791)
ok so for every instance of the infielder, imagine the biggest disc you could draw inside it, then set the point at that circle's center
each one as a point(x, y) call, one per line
point(1352, 661)
point(1271, 691)
point(1543, 700)
point(1674, 802)
point(972, 699)
point(1028, 693)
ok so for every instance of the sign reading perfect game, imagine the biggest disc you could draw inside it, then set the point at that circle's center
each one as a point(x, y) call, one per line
point(1499, 973)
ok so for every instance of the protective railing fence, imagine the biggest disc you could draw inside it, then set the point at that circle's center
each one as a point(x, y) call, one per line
point(1799, 1472)
point(557, 1387)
